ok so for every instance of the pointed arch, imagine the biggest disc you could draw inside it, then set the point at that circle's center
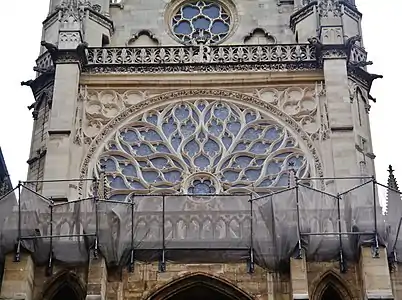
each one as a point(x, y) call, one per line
point(331, 283)
point(220, 288)
point(64, 285)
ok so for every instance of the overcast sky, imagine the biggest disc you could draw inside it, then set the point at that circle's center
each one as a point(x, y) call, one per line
point(21, 24)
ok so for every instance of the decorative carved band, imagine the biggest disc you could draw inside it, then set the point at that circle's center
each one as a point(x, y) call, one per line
point(204, 54)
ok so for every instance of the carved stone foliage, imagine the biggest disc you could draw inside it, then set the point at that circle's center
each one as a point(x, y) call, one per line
point(202, 147)
point(203, 54)
point(106, 111)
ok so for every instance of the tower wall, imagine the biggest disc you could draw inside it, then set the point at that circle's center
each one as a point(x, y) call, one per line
point(299, 67)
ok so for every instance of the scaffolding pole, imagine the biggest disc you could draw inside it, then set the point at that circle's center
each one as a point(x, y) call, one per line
point(376, 243)
point(393, 253)
point(57, 180)
point(251, 266)
point(162, 262)
point(132, 251)
point(96, 203)
point(49, 269)
point(17, 257)
point(299, 242)
point(342, 265)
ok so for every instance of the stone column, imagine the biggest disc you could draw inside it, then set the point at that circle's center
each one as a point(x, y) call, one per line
point(97, 279)
point(375, 275)
point(18, 278)
point(298, 277)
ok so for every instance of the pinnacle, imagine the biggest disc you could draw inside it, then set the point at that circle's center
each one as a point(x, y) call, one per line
point(392, 180)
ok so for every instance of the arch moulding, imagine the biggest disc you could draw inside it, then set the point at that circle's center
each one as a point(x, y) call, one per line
point(60, 280)
point(213, 94)
point(193, 279)
point(331, 278)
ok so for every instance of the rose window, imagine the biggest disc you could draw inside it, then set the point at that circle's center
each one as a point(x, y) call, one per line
point(201, 22)
point(201, 147)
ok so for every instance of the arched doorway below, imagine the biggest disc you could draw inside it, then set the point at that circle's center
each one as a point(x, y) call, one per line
point(198, 293)
point(199, 287)
point(331, 286)
point(66, 293)
point(331, 293)
point(65, 286)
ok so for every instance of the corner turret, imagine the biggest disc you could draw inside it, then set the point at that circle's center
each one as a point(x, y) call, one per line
point(71, 22)
point(336, 20)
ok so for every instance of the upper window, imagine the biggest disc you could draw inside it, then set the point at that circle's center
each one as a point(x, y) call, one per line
point(201, 22)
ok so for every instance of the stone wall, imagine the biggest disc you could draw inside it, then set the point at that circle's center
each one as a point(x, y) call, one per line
point(25, 281)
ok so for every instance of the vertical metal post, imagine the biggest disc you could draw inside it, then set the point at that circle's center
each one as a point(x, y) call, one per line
point(132, 258)
point(162, 263)
point(96, 200)
point(251, 258)
point(299, 242)
point(17, 257)
point(376, 243)
point(49, 269)
point(394, 257)
point(342, 265)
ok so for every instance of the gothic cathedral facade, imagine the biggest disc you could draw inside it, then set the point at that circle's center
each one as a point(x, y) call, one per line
point(158, 125)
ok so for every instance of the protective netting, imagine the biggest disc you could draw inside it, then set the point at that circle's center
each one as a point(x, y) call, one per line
point(266, 230)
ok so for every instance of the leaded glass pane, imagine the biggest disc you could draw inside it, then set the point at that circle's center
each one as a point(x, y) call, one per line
point(201, 22)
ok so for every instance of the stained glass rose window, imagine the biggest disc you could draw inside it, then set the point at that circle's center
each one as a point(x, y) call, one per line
point(201, 147)
point(201, 22)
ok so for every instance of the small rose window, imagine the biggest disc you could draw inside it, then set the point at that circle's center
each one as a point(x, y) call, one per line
point(201, 22)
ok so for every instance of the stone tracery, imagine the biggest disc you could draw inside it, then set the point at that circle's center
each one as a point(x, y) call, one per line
point(201, 147)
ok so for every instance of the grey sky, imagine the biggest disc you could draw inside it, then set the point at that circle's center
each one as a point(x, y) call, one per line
point(22, 25)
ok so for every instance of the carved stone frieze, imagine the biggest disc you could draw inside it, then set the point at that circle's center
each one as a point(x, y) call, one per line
point(201, 55)
point(334, 54)
point(204, 68)
point(114, 110)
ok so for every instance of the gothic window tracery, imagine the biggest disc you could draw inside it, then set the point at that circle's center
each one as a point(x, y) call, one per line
point(201, 147)
point(201, 22)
